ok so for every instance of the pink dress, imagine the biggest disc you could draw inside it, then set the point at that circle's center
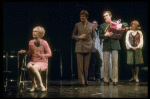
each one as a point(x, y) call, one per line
point(44, 51)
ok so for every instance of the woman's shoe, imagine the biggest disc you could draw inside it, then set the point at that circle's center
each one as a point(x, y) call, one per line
point(43, 88)
point(132, 79)
point(33, 87)
point(136, 80)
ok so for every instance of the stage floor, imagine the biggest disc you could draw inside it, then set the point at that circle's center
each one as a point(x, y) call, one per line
point(70, 89)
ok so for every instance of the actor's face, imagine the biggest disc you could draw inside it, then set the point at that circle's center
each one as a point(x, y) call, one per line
point(95, 25)
point(134, 26)
point(107, 16)
point(35, 33)
point(83, 18)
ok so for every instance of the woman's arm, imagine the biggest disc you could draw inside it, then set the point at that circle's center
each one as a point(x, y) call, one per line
point(48, 51)
point(141, 40)
point(128, 45)
point(26, 52)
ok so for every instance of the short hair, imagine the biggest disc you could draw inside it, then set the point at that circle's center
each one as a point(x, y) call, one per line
point(85, 13)
point(135, 22)
point(107, 12)
point(41, 31)
point(95, 21)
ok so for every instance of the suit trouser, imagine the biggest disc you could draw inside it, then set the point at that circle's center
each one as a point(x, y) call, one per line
point(83, 60)
point(106, 58)
point(92, 66)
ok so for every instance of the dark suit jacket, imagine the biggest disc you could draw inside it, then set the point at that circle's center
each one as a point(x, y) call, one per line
point(109, 43)
point(87, 44)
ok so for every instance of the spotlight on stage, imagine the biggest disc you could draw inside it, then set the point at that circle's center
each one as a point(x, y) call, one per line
point(12, 56)
point(4, 56)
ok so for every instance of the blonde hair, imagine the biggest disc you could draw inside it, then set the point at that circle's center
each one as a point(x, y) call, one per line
point(41, 31)
point(137, 23)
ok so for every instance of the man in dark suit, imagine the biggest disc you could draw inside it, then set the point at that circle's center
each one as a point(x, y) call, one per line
point(84, 35)
point(110, 46)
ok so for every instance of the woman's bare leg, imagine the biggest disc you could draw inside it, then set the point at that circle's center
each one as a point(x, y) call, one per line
point(31, 75)
point(136, 73)
point(35, 69)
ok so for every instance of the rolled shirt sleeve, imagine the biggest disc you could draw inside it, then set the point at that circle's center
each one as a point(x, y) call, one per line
point(128, 45)
point(140, 46)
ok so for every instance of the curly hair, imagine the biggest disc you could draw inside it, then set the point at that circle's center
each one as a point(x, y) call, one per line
point(41, 31)
point(136, 23)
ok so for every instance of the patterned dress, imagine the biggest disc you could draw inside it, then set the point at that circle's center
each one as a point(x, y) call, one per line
point(134, 39)
point(44, 51)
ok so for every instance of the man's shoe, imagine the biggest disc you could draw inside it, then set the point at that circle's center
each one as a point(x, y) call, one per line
point(82, 85)
point(98, 80)
point(106, 83)
point(88, 84)
point(115, 83)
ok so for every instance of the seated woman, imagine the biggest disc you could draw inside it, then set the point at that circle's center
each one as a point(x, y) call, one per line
point(39, 51)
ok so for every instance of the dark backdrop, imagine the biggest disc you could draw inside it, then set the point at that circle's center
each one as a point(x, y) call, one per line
point(58, 19)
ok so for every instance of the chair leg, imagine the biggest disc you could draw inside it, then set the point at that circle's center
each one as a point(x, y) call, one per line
point(20, 79)
point(24, 79)
point(46, 78)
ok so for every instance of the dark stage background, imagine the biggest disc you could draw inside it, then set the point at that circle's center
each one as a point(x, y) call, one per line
point(58, 19)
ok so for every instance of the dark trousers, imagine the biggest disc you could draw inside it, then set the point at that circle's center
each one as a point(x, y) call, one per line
point(83, 60)
point(94, 66)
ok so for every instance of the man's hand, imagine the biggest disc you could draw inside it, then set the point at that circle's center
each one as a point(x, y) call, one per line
point(108, 34)
point(82, 36)
point(108, 21)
